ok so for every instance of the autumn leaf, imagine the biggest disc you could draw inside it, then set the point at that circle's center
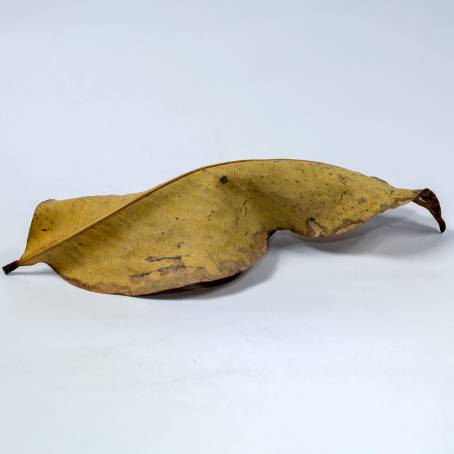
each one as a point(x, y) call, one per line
point(205, 225)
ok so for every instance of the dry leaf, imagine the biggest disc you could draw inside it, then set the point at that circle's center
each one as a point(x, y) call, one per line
point(205, 225)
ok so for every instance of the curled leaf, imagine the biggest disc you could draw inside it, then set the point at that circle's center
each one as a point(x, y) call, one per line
point(205, 225)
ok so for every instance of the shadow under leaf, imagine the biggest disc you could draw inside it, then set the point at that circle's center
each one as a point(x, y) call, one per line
point(395, 235)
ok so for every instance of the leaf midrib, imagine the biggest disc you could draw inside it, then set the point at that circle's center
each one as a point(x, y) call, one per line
point(23, 261)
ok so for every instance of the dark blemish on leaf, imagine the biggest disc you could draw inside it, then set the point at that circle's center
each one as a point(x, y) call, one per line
point(139, 275)
point(223, 179)
point(342, 178)
point(157, 258)
point(171, 268)
point(164, 270)
point(44, 230)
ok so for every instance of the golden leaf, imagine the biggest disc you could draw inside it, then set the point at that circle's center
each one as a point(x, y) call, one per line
point(205, 225)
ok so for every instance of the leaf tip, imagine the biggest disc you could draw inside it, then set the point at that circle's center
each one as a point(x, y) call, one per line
point(10, 267)
point(427, 199)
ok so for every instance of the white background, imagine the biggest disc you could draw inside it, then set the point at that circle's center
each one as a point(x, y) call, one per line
point(342, 346)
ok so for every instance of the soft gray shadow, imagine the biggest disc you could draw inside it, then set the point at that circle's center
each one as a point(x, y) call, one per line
point(393, 234)
point(31, 270)
point(402, 234)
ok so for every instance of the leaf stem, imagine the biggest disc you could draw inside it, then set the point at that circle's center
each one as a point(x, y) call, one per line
point(10, 267)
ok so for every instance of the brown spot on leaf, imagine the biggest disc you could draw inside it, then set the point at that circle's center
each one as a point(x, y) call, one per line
point(342, 178)
point(138, 276)
point(157, 258)
point(171, 268)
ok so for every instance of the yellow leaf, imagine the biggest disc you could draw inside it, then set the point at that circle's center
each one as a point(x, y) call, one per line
point(205, 225)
